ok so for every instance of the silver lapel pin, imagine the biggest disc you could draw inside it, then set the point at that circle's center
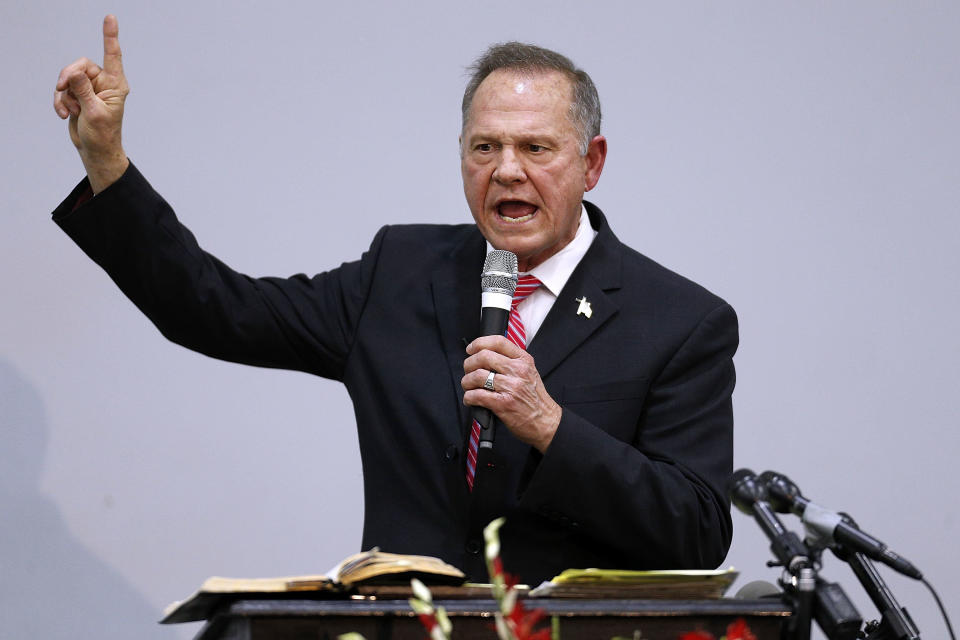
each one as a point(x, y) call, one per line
point(584, 308)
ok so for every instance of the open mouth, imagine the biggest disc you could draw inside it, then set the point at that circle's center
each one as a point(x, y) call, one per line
point(516, 211)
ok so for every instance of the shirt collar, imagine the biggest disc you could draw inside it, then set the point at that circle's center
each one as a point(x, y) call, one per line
point(557, 269)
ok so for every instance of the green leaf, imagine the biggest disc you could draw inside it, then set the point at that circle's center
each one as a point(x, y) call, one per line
point(509, 602)
point(503, 631)
point(420, 607)
point(444, 621)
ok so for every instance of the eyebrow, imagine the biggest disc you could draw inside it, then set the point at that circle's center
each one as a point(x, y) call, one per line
point(526, 138)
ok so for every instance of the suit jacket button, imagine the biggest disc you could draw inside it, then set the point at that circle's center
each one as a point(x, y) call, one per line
point(450, 453)
point(473, 547)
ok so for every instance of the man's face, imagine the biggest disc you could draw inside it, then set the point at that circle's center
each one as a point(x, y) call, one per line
point(523, 174)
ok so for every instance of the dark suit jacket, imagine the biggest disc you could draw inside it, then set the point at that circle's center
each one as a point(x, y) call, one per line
point(634, 477)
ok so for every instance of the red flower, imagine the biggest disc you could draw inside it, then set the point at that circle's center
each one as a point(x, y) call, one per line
point(522, 623)
point(697, 635)
point(429, 621)
point(510, 580)
point(497, 566)
point(738, 630)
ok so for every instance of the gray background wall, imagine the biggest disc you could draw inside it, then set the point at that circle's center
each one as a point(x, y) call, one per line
point(800, 159)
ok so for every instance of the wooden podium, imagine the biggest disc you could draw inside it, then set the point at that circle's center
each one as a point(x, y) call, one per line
point(378, 619)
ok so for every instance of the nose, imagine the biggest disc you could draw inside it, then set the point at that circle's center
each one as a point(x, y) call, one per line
point(509, 168)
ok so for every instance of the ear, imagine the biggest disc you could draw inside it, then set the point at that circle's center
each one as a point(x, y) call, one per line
point(596, 155)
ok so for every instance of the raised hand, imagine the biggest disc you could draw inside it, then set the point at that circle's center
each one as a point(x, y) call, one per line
point(92, 98)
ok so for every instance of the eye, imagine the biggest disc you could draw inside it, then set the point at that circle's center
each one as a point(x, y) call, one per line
point(484, 147)
point(536, 148)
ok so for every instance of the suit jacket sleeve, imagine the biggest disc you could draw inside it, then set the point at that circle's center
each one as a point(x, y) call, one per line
point(303, 323)
point(658, 501)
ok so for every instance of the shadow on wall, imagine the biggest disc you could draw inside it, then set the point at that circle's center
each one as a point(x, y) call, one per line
point(51, 586)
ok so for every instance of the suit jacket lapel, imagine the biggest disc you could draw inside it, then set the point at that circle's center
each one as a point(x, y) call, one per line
point(564, 330)
point(456, 298)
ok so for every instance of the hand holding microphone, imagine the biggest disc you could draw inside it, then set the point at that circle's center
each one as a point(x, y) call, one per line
point(498, 281)
point(500, 375)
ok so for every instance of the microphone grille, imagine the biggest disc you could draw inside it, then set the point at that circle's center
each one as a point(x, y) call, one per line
point(499, 272)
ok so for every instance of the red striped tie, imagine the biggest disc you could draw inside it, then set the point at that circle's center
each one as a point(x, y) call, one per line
point(515, 334)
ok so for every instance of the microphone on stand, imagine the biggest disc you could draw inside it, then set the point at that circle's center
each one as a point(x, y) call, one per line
point(829, 526)
point(750, 496)
point(498, 282)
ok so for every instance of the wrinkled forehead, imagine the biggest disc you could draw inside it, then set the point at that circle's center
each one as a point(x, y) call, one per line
point(510, 88)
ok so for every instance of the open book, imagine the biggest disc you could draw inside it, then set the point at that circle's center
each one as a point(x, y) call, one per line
point(366, 568)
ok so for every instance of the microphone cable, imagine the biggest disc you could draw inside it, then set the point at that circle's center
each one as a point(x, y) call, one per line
point(943, 611)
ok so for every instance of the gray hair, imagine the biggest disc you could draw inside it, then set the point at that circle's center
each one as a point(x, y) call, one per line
point(585, 105)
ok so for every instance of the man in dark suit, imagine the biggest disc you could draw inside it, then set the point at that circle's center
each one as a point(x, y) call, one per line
point(614, 409)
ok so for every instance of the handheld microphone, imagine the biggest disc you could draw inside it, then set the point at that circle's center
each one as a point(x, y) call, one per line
point(829, 526)
point(498, 281)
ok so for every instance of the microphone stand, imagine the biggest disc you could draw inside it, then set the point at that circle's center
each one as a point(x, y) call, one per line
point(814, 598)
point(748, 495)
point(808, 595)
point(895, 623)
point(804, 583)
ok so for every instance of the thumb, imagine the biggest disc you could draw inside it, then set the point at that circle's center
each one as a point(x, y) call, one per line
point(82, 90)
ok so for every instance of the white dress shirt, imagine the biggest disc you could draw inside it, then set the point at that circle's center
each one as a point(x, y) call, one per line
point(553, 273)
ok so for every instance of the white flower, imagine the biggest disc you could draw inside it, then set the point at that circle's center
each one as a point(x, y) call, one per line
point(491, 537)
point(420, 590)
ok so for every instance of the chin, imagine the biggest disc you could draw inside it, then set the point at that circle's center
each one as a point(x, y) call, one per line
point(527, 259)
point(521, 249)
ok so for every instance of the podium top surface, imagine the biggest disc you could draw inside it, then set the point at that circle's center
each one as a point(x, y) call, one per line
point(483, 607)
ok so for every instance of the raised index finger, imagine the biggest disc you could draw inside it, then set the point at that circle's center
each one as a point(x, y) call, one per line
point(112, 57)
